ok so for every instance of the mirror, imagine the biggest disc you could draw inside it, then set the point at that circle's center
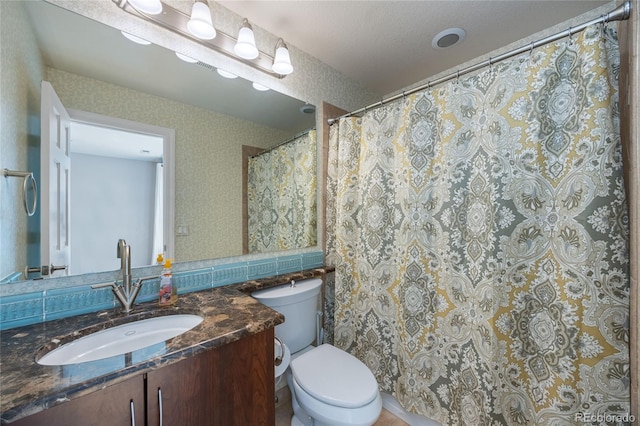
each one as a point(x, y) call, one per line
point(94, 69)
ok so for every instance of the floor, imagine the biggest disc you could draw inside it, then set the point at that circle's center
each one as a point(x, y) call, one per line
point(284, 413)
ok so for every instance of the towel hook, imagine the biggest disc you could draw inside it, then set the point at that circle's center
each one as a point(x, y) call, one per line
point(27, 178)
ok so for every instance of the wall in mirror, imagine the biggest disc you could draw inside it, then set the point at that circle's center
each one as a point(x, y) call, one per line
point(93, 68)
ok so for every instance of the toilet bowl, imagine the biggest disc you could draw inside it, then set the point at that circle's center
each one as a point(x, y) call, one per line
point(332, 387)
point(328, 386)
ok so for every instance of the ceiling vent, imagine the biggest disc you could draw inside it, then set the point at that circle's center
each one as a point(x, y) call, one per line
point(307, 109)
point(448, 38)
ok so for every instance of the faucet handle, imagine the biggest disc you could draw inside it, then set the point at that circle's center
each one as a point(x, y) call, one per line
point(142, 279)
point(103, 285)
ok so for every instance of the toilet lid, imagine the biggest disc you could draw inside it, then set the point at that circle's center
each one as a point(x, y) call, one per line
point(334, 377)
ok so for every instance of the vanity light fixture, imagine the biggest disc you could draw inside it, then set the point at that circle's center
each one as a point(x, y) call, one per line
point(136, 39)
point(152, 7)
point(201, 23)
point(242, 49)
point(226, 74)
point(282, 61)
point(245, 47)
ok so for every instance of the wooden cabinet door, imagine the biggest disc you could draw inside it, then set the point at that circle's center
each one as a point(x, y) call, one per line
point(229, 385)
point(111, 406)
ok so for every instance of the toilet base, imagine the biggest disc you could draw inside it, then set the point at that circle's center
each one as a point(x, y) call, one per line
point(302, 418)
point(298, 411)
point(296, 422)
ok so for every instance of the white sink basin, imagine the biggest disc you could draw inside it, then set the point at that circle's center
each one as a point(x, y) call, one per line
point(121, 339)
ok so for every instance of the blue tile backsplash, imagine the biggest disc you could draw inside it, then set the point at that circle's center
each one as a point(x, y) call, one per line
point(21, 309)
point(65, 302)
point(29, 308)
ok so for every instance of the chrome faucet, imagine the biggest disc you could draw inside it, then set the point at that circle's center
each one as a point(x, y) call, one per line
point(126, 292)
point(124, 254)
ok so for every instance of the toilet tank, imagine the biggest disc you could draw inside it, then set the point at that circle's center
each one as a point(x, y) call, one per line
point(299, 305)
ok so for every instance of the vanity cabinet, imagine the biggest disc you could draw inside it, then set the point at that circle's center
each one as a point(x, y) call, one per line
point(229, 385)
point(112, 405)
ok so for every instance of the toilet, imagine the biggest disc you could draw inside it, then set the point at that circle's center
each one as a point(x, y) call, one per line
point(328, 386)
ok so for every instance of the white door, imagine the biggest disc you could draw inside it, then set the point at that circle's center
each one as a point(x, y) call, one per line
point(55, 166)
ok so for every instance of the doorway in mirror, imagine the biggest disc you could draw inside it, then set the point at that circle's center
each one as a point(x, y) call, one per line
point(115, 180)
point(121, 187)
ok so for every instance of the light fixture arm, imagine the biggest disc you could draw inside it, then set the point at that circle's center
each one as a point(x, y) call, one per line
point(176, 21)
point(280, 43)
point(246, 24)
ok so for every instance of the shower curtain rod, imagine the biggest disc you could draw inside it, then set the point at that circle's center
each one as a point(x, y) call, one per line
point(620, 13)
point(284, 143)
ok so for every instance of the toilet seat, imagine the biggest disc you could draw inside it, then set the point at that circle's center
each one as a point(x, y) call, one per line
point(335, 377)
point(327, 414)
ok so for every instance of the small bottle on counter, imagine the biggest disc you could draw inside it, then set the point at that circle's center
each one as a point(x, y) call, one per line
point(160, 259)
point(168, 291)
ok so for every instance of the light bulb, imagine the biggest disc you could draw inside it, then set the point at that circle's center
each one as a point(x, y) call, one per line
point(246, 45)
point(282, 61)
point(151, 7)
point(200, 24)
point(186, 58)
point(226, 74)
point(135, 39)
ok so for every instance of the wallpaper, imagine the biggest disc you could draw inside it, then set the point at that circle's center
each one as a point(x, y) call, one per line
point(22, 70)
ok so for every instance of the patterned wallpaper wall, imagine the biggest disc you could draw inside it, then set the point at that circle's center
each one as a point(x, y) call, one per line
point(22, 70)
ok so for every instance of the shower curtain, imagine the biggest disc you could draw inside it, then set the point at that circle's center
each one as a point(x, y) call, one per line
point(480, 238)
point(281, 196)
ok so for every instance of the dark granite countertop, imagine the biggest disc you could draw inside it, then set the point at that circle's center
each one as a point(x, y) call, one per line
point(27, 387)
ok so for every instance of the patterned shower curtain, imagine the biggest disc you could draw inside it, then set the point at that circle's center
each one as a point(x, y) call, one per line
point(480, 238)
point(281, 196)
